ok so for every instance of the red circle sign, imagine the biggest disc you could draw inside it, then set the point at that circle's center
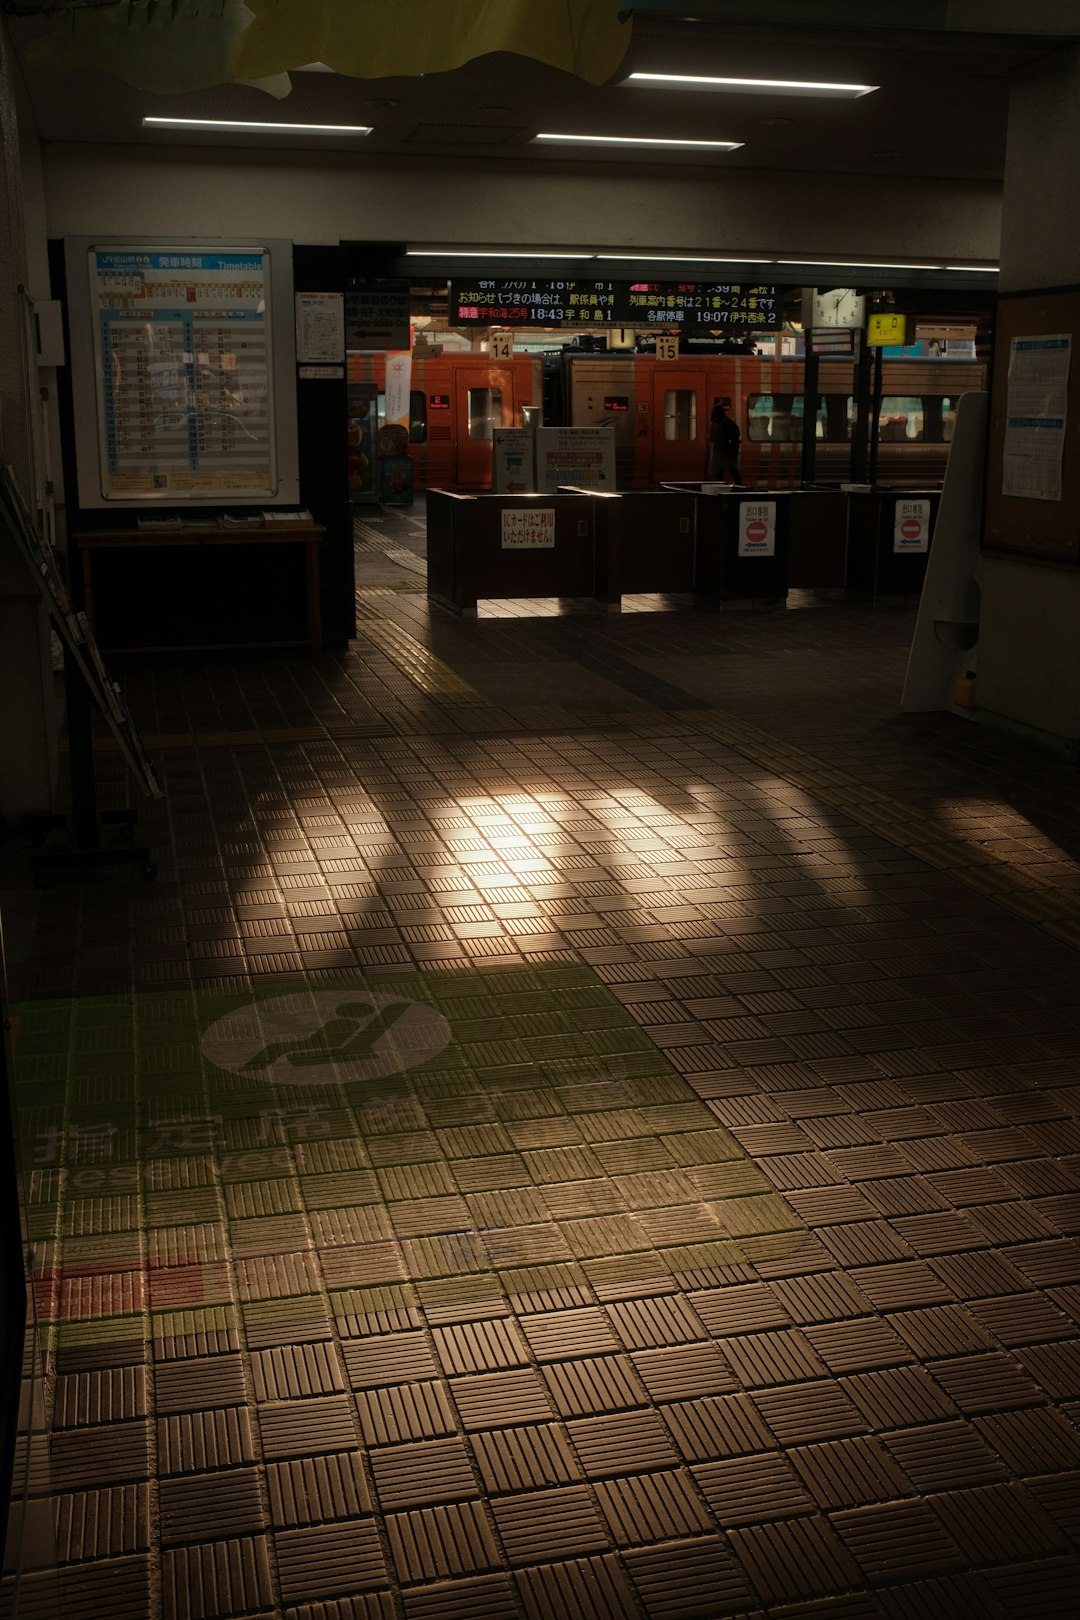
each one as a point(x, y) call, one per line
point(756, 530)
point(911, 528)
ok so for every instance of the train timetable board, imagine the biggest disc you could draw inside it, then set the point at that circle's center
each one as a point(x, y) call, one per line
point(178, 373)
point(699, 303)
point(532, 303)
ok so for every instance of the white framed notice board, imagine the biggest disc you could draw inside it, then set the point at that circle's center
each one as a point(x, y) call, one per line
point(183, 372)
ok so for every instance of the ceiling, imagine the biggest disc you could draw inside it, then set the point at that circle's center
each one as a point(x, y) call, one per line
point(940, 110)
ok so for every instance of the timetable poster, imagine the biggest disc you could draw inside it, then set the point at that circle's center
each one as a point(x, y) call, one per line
point(182, 346)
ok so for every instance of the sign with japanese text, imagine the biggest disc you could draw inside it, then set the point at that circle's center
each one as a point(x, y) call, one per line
point(182, 352)
point(583, 457)
point(320, 327)
point(911, 526)
point(377, 315)
point(531, 303)
point(528, 528)
point(513, 470)
point(731, 306)
point(757, 529)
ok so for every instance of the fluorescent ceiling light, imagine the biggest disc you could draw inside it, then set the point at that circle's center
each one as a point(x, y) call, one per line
point(677, 258)
point(855, 264)
point(754, 87)
point(483, 253)
point(976, 269)
point(252, 123)
point(638, 140)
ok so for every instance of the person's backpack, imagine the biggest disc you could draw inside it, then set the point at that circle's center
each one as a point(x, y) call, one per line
point(724, 433)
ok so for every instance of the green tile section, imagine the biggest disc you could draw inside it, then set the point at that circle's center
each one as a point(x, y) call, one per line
point(356, 1151)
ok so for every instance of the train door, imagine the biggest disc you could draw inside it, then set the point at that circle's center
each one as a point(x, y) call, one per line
point(681, 423)
point(484, 400)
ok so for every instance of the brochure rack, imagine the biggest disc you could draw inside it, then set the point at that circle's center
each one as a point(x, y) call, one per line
point(87, 685)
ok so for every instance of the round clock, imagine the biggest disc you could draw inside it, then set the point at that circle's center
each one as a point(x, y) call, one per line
point(839, 306)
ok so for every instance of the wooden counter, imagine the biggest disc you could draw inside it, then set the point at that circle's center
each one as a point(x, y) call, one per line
point(214, 590)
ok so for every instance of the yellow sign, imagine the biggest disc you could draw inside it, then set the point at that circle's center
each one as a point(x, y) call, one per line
point(882, 329)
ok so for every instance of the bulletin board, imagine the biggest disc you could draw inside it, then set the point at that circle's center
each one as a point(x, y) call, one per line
point(183, 371)
point(1033, 458)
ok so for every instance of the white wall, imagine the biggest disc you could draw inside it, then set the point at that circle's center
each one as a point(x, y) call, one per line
point(203, 192)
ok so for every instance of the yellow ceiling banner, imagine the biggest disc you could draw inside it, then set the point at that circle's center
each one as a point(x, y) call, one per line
point(383, 39)
point(168, 49)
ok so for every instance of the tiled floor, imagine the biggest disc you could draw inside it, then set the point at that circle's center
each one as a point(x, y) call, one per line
point(583, 1124)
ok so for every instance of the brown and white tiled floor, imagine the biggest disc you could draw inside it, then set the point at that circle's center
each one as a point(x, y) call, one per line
point(584, 1123)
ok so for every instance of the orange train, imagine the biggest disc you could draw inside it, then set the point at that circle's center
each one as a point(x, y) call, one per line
point(660, 411)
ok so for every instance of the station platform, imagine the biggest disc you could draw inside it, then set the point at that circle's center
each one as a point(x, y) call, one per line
point(584, 1123)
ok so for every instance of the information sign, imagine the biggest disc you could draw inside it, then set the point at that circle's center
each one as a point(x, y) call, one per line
point(182, 355)
point(502, 345)
point(531, 303)
point(528, 528)
point(757, 529)
point(911, 526)
point(584, 457)
point(320, 327)
point(667, 348)
point(882, 330)
point(377, 315)
point(513, 461)
point(698, 303)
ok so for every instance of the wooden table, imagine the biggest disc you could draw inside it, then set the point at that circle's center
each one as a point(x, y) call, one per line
point(210, 536)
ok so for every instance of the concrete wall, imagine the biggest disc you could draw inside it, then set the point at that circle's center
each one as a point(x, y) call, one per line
point(1029, 644)
point(334, 196)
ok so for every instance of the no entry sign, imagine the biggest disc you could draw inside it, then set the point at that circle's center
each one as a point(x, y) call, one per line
point(911, 526)
point(757, 529)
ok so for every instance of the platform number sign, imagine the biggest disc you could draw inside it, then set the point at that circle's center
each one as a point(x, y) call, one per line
point(667, 347)
point(757, 529)
point(502, 345)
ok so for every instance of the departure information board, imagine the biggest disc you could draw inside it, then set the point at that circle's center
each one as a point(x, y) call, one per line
point(182, 352)
point(725, 305)
point(532, 303)
point(732, 306)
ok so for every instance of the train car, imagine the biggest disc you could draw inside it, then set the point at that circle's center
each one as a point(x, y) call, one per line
point(660, 412)
point(456, 401)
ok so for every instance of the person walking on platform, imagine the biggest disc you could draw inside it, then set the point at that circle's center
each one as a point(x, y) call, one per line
point(724, 442)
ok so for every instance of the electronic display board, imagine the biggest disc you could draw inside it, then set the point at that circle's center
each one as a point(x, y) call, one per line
point(532, 303)
point(729, 305)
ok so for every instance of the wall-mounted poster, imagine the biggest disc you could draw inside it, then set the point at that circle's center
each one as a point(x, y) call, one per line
point(181, 346)
point(1037, 405)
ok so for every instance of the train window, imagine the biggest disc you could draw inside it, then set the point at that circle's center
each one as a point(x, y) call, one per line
point(949, 402)
point(779, 417)
point(680, 413)
point(901, 418)
point(485, 412)
point(417, 416)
